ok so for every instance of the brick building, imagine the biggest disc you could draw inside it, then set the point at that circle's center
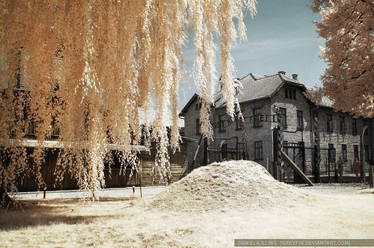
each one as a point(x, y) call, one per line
point(341, 135)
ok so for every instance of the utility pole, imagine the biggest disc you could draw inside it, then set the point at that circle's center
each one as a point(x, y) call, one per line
point(362, 160)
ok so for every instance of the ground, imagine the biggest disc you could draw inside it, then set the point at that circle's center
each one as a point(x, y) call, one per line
point(121, 219)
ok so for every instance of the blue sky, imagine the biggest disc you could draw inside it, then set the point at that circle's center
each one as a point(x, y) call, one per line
point(281, 37)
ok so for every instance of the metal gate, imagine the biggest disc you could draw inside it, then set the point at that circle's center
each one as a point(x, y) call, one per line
point(296, 151)
point(312, 161)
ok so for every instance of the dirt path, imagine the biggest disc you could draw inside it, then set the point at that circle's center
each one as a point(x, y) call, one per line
point(324, 211)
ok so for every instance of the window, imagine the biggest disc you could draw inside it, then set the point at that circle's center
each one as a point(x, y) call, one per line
point(344, 153)
point(355, 153)
point(55, 129)
point(30, 128)
point(257, 117)
point(354, 127)
point(315, 121)
point(342, 125)
point(285, 147)
point(332, 154)
point(283, 116)
point(300, 120)
point(366, 153)
point(239, 122)
point(290, 93)
point(221, 124)
point(329, 123)
point(198, 106)
point(224, 151)
point(197, 126)
point(258, 150)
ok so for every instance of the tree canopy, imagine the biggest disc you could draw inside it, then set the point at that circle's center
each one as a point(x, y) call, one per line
point(348, 28)
point(94, 68)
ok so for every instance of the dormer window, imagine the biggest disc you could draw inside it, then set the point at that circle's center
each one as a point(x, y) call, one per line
point(290, 93)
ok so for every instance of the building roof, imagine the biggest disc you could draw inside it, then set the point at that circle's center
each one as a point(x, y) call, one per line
point(326, 102)
point(255, 87)
point(184, 110)
point(56, 144)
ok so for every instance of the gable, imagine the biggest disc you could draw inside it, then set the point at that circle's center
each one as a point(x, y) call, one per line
point(188, 105)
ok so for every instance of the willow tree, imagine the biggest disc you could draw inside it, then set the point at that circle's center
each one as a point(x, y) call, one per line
point(348, 28)
point(94, 68)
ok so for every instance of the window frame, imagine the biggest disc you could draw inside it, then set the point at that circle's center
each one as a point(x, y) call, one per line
point(342, 125)
point(258, 150)
point(256, 117)
point(197, 127)
point(224, 153)
point(300, 120)
point(366, 153)
point(329, 123)
point(290, 93)
point(239, 123)
point(198, 106)
point(356, 153)
point(221, 124)
point(344, 152)
point(331, 153)
point(285, 146)
point(284, 124)
point(354, 127)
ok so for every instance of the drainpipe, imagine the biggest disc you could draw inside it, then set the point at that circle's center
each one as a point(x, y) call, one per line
point(362, 171)
point(315, 141)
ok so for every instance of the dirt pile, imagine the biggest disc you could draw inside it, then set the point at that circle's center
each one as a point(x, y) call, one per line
point(232, 184)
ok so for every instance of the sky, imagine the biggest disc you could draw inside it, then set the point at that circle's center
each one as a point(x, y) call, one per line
point(281, 37)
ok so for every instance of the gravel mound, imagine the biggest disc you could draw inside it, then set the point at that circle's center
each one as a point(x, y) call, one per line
point(231, 184)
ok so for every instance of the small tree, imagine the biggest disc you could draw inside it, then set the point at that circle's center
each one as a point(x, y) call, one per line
point(348, 28)
point(94, 68)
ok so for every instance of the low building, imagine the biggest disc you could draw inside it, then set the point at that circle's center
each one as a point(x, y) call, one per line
point(116, 173)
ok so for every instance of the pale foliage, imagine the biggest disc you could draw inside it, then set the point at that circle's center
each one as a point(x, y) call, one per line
point(348, 27)
point(92, 66)
point(315, 94)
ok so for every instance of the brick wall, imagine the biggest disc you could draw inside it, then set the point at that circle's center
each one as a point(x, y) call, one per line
point(337, 138)
point(250, 134)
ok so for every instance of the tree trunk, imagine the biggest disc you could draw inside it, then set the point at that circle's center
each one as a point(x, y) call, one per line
point(6, 201)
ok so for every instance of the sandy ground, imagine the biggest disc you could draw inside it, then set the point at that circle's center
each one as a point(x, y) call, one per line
point(110, 192)
point(121, 220)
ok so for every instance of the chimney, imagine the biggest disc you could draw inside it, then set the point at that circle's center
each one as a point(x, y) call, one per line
point(282, 72)
point(294, 76)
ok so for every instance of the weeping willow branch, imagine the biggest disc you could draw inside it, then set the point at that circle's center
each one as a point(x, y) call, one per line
point(92, 67)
